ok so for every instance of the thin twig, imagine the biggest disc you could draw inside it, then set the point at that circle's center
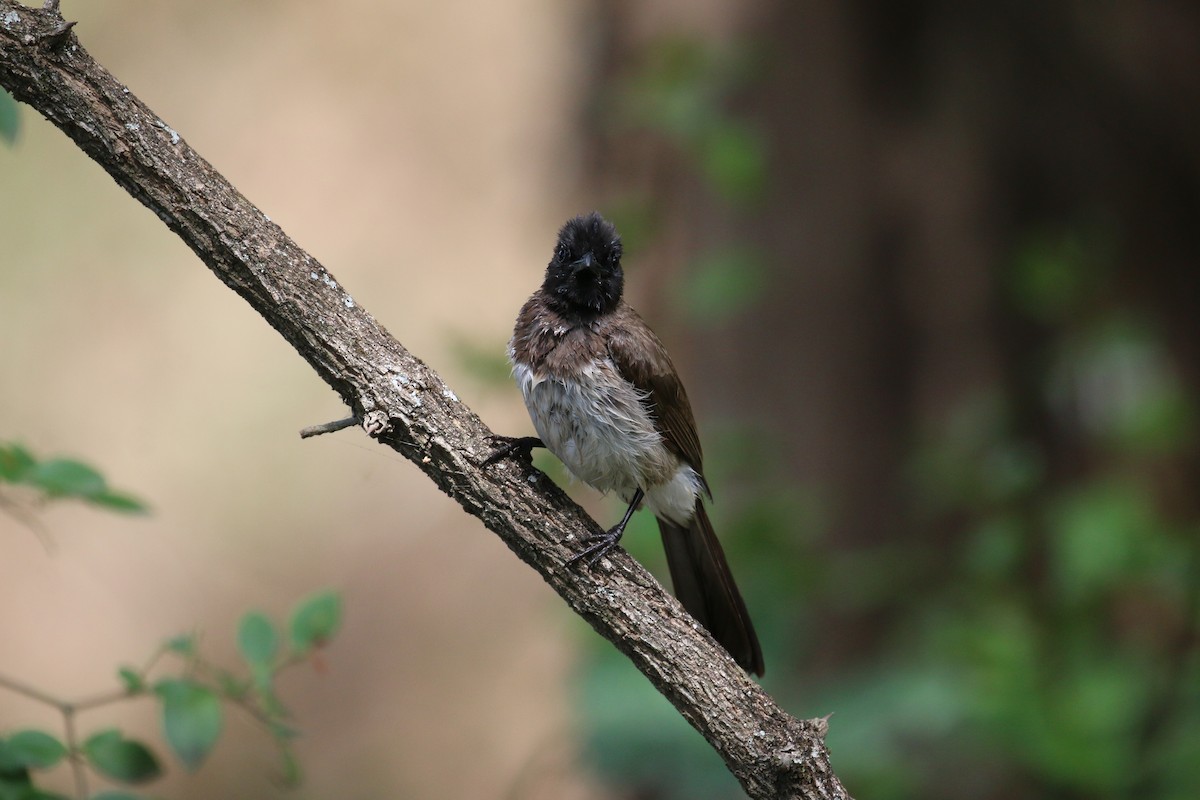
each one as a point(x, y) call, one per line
point(21, 688)
point(78, 767)
point(328, 427)
point(30, 520)
point(103, 699)
point(67, 709)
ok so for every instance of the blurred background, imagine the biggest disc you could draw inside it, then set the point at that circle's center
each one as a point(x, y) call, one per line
point(929, 270)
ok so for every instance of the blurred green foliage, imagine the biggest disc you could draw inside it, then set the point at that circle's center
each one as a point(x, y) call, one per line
point(10, 120)
point(484, 362)
point(1040, 625)
point(1047, 643)
point(191, 702)
point(56, 479)
point(681, 91)
point(1061, 618)
point(722, 284)
point(121, 759)
point(1037, 618)
point(191, 705)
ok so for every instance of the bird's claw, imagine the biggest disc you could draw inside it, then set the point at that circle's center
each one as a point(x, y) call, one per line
point(522, 446)
point(598, 546)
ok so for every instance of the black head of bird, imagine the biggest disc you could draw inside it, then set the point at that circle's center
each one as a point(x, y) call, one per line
point(584, 277)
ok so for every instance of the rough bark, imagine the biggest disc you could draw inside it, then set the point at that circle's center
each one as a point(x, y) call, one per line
point(407, 406)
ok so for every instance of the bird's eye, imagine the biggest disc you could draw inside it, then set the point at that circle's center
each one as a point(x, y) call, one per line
point(562, 253)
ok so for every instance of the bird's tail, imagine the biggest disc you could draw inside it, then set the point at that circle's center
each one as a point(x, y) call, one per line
point(702, 582)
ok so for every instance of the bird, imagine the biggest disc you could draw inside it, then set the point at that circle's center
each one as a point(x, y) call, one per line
point(606, 400)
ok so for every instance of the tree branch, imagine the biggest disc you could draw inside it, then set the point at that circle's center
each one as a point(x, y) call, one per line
point(407, 406)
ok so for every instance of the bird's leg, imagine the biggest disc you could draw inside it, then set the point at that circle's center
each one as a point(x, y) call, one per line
point(601, 544)
point(509, 445)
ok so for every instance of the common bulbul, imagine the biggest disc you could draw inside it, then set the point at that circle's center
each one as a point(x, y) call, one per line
point(605, 399)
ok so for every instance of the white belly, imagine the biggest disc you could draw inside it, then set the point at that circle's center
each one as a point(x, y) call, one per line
point(599, 428)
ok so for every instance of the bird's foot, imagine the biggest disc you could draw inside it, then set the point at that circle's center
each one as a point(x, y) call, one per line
point(520, 446)
point(598, 546)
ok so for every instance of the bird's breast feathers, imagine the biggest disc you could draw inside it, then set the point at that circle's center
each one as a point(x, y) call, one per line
point(600, 426)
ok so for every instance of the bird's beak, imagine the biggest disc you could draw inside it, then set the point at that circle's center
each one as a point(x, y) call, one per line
point(588, 262)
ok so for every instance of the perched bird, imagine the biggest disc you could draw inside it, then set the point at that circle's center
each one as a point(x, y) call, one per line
point(605, 399)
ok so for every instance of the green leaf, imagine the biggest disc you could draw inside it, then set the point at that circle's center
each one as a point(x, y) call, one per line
point(35, 749)
point(191, 719)
point(119, 758)
point(315, 620)
point(63, 477)
point(119, 501)
point(131, 680)
point(31, 793)
point(10, 767)
point(15, 462)
point(266, 693)
point(15, 781)
point(291, 768)
point(15, 785)
point(184, 644)
point(257, 639)
point(10, 120)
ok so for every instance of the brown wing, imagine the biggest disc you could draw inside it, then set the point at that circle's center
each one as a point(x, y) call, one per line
point(643, 361)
